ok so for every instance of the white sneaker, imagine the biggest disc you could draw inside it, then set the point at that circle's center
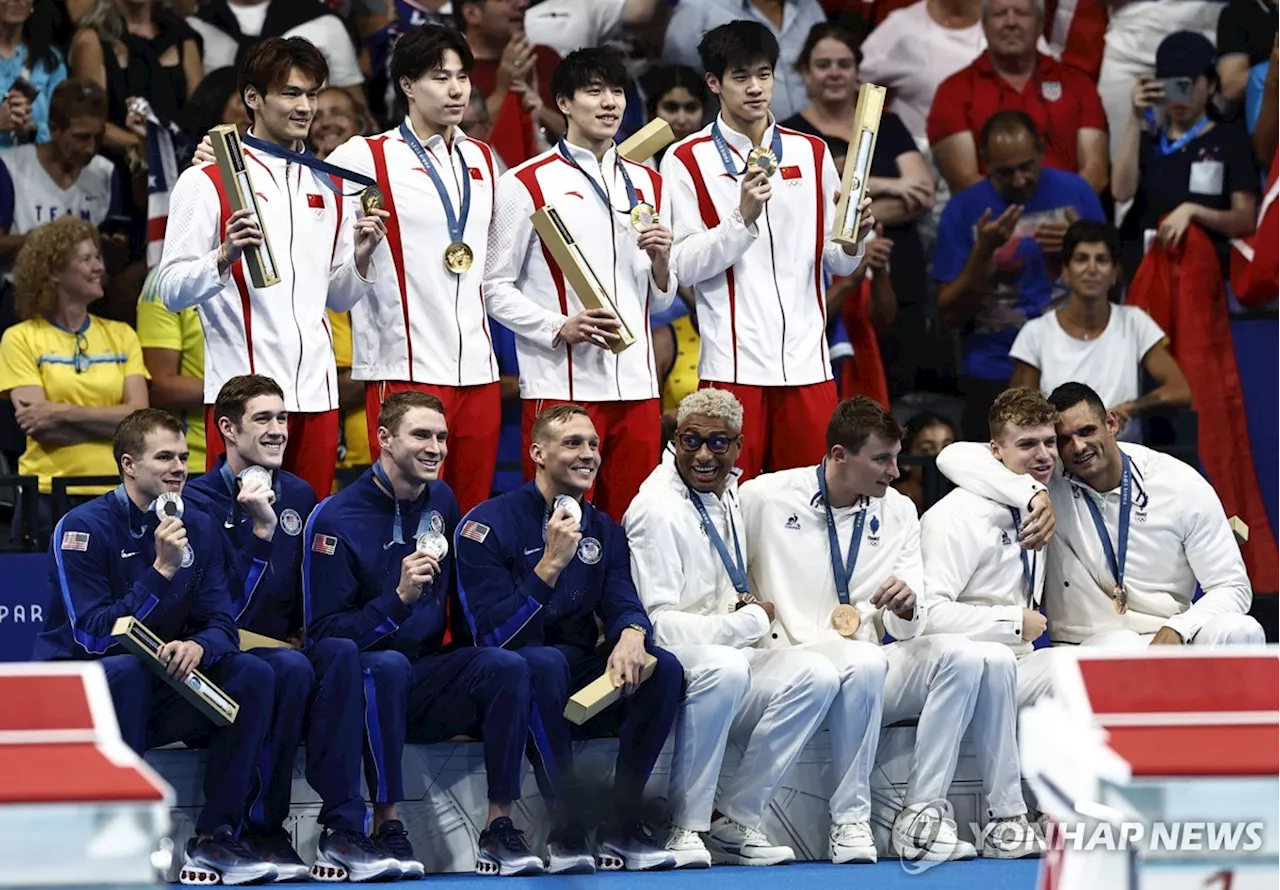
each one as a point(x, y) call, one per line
point(926, 831)
point(852, 842)
point(687, 847)
point(1013, 838)
point(733, 844)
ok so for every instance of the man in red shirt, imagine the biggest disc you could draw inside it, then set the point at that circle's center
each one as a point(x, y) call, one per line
point(1013, 75)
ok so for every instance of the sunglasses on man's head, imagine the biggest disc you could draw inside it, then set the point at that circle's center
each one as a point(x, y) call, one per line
point(718, 443)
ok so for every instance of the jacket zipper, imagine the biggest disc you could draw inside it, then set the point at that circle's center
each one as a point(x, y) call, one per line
point(293, 288)
point(613, 242)
point(457, 277)
point(781, 309)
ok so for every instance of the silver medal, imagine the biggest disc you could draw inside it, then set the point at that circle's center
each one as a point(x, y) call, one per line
point(169, 504)
point(571, 506)
point(259, 476)
point(434, 544)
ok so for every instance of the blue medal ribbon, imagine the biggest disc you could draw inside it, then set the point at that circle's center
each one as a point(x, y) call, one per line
point(726, 158)
point(123, 497)
point(632, 200)
point(737, 569)
point(397, 531)
point(307, 159)
point(457, 222)
point(843, 573)
point(1167, 148)
point(1115, 555)
point(1028, 563)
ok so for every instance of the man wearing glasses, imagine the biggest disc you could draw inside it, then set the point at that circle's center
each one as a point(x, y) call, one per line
point(687, 558)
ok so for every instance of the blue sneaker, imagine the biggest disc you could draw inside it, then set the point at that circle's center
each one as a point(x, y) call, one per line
point(222, 858)
point(568, 852)
point(502, 851)
point(631, 846)
point(275, 847)
point(394, 841)
point(352, 856)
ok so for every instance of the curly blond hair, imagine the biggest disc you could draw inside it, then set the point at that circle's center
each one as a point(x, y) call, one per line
point(1020, 407)
point(45, 253)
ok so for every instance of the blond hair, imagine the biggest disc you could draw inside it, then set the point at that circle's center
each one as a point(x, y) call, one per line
point(44, 254)
point(1020, 407)
point(711, 402)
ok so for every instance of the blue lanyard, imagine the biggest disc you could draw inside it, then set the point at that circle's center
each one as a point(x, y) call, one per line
point(307, 159)
point(1115, 560)
point(1167, 148)
point(457, 221)
point(632, 200)
point(1028, 563)
point(397, 532)
point(737, 569)
point(775, 146)
point(123, 497)
point(843, 573)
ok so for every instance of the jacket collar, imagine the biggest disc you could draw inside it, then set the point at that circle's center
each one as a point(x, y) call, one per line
point(740, 142)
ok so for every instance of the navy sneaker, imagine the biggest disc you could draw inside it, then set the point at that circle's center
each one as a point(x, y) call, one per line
point(568, 852)
point(394, 841)
point(502, 851)
point(222, 858)
point(352, 856)
point(632, 846)
point(275, 847)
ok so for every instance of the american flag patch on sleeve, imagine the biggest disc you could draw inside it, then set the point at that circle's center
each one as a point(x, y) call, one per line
point(476, 531)
point(326, 545)
point(75, 541)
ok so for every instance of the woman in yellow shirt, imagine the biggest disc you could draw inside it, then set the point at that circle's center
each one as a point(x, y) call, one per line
point(72, 377)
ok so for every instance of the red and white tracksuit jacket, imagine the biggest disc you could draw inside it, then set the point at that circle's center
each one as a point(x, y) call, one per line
point(424, 324)
point(761, 292)
point(279, 331)
point(526, 291)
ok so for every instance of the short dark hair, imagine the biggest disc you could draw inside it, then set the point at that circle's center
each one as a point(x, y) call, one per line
point(823, 30)
point(666, 78)
point(554, 416)
point(737, 44)
point(1089, 231)
point(131, 433)
point(854, 420)
point(422, 50)
point(583, 67)
point(76, 97)
point(398, 404)
point(1068, 395)
point(236, 394)
point(1021, 407)
point(921, 421)
point(1008, 122)
point(268, 65)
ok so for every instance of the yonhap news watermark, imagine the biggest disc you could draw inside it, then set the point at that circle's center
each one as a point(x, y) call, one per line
point(1150, 837)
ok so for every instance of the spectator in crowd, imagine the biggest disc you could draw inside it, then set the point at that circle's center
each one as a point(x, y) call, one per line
point(477, 123)
point(216, 101)
point(337, 120)
point(1013, 74)
point(999, 245)
point(788, 20)
point(136, 49)
point(30, 67)
point(678, 95)
point(900, 185)
point(353, 432)
point(1135, 28)
point(1191, 169)
point(71, 376)
point(61, 177)
point(927, 433)
point(507, 61)
point(1265, 126)
point(1246, 36)
point(173, 349)
point(228, 29)
point(1091, 341)
point(566, 25)
point(916, 48)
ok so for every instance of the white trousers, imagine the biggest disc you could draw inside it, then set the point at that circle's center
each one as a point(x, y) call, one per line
point(769, 701)
point(1035, 675)
point(1229, 629)
point(951, 685)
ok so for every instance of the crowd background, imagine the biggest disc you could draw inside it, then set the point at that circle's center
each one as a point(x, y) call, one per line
point(1009, 119)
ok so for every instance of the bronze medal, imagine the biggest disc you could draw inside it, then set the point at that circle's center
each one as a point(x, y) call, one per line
point(371, 199)
point(458, 257)
point(763, 158)
point(846, 619)
point(642, 216)
point(1121, 597)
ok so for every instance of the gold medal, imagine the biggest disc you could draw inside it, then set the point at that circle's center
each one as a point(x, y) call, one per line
point(763, 158)
point(371, 199)
point(642, 216)
point(846, 620)
point(458, 257)
point(1121, 597)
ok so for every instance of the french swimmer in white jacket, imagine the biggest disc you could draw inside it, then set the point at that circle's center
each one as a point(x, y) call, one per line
point(688, 546)
point(1137, 532)
point(837, 551)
